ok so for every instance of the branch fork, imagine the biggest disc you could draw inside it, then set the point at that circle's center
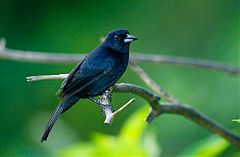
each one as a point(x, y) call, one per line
point(105, 99)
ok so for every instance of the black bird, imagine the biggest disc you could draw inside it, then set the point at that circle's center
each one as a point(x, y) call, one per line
point(99, 70)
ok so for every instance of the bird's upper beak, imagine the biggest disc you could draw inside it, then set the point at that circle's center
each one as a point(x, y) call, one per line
point(129, 38)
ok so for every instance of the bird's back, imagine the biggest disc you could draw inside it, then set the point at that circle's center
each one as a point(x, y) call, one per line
point(96, 73)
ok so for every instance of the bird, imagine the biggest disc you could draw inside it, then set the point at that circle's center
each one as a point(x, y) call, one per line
point(97, 72)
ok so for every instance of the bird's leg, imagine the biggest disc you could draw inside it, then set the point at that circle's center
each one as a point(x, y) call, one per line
point(100, 104)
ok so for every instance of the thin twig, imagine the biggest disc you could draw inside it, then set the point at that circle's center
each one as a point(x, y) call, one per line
point(152, 84)
point(123, 107)
point(182, 110)
point(48, 57)
point(187, 61)
point(109, 114)
point(40, 57)
point(46, 77)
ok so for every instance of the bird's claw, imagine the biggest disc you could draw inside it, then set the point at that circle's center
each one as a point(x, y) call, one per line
point(105, 107)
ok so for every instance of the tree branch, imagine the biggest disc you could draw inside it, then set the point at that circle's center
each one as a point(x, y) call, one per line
point(159, 109)
point(187, 61)
point(46, 77)
point(202, 120)
point(152, 84)
point(44, 57)
point(105, 99)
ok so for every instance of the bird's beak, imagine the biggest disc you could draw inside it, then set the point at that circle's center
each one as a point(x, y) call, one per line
point(129, 38)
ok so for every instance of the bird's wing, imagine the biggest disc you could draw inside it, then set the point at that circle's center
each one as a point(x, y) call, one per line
point(68, 79)
point(84, 73)
point(94, 82)
point(70, 76)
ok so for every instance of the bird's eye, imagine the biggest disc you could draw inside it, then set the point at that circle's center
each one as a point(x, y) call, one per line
point(117, 37)
point(124, 36)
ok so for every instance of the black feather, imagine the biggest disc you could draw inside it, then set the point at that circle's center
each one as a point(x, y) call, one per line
point(51, 122)
point(100, 70)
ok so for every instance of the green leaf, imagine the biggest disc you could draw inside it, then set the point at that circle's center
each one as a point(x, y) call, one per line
point(127, 143)
point(210, 147)
point(133, 128)
point(236, 120)
point(84, 149)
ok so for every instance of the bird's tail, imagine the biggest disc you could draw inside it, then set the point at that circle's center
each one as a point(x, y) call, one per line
point(62, 107)
point(52, 121)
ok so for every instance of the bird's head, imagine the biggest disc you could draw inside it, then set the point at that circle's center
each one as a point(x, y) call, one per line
point(119, 40)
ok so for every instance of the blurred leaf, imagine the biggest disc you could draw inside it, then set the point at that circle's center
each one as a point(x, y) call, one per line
point(151, 144)
point(236, 120)
point(85, 149)
point(133, 128)
point(210, 147)
point(116, 146)
point(127, 143)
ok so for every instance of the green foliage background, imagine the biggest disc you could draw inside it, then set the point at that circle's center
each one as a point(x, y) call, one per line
point(203, 29)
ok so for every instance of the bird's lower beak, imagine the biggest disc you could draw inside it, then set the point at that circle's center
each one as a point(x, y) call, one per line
point(129, 38)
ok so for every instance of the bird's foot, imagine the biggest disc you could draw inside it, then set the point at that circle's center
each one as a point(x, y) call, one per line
point(104, 108)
